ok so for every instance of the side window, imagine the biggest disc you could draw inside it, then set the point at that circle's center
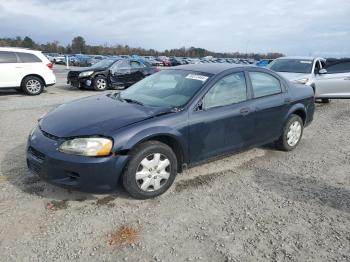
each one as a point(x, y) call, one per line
point(229, 90)
point(8, 57)
point(28, 58)
point(120, 65)
point(264, 84)
point(135, 64)
point(338, 68)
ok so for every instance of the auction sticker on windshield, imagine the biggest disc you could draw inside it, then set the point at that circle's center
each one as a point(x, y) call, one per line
point(197, 77)
point(305, 62)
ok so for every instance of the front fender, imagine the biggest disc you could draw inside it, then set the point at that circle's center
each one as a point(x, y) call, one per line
point(133, 139)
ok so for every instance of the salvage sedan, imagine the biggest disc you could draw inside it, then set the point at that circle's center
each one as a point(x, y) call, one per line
point(145, 135)
point(111, 73)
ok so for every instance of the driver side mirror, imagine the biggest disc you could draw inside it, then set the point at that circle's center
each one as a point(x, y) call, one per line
point(199, 106)
point(322, 71)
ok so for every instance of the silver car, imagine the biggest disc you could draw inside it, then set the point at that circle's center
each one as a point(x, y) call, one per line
point(329, 80)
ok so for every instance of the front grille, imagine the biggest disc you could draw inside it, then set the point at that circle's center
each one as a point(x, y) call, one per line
point(34, 167)
point(36, 153)
point(72, 74)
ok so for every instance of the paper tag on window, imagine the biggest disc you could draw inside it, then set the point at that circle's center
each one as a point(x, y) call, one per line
point(305, 62)
point(197, 77)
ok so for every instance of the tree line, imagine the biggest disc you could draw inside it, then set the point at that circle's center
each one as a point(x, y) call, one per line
point(78, 45)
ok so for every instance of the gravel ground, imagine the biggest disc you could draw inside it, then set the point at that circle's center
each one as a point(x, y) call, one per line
point(259, 205)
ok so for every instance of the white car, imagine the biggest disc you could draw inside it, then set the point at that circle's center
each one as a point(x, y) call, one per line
point(330, 80)
point(26, 70)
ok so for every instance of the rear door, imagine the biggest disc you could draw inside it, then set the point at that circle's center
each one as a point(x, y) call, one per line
point(222, 121)
point(136, 71)
point(9, 69)
point(270, 103)
point(120, 73)
point(336, 82)
point(29, 64)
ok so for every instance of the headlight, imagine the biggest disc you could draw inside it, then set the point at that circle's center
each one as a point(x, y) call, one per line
point(87, 73)
point(302, 81)
point(93, 146)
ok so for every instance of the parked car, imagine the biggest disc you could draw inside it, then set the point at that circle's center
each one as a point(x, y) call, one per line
point(264, 62)
point(110, 73)
point(25, 70)
point(145, 135)
point(57, 58)
point(165, 60)
point(82, 60)
point(311, 71)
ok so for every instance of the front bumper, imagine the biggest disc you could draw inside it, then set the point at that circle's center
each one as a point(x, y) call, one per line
point(89, 174)
point(80, 81)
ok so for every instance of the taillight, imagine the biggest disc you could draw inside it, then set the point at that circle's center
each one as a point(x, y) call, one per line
point(50, 65)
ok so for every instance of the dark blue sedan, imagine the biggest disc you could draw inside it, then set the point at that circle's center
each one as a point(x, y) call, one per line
point(145, 135)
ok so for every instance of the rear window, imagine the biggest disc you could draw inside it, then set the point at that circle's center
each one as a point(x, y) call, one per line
point(28, 58)
point(8, 57)
point(264, 84)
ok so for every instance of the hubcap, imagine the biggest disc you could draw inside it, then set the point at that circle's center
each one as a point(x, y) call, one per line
point(33, 86)
point(153, 172)
point(294, 133)
point(101, 84)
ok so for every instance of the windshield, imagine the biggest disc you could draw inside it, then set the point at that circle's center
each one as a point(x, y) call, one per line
point(291, 65)
point(167, 88)
point(104, 63)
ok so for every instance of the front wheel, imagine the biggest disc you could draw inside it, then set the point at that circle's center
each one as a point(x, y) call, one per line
point(292, 133)
point(100, 83)
point(151, 170)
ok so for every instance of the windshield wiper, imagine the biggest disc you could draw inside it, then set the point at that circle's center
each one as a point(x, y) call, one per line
point(129, 100)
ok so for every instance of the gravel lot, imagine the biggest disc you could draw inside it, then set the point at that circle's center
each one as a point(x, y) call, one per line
point(260, 205)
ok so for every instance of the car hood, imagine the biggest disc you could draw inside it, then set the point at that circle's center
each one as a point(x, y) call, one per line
point(293, 76)
point(95, 115)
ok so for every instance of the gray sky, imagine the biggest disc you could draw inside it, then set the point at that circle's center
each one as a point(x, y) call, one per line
point(299, 27)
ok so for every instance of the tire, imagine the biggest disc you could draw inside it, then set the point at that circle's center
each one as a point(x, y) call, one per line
point(155, 176)
point(100, 83)
point(292, 133)
point(325, 100)
point(32, 85)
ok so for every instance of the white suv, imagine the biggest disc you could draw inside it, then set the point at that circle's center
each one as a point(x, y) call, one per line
point(26, 70)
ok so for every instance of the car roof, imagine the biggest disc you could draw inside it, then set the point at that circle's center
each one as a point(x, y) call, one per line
point(300, 57)
point(211, 68)
point(19, 49)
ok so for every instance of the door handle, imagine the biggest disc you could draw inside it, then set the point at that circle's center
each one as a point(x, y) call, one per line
point(347, 78)
point(244, 111)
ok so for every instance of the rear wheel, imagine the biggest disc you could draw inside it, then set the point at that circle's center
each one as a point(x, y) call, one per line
point(151, 170)
point(100, 83)
point(32, 85)
point(292, 133)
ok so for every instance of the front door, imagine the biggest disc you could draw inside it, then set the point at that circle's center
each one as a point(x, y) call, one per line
point(120, 73)
point(223, 121)
point(10, 71)
point(336, 82)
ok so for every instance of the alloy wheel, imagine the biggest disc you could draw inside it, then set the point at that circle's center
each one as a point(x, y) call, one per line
point(101, 84)
point(33, 86)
